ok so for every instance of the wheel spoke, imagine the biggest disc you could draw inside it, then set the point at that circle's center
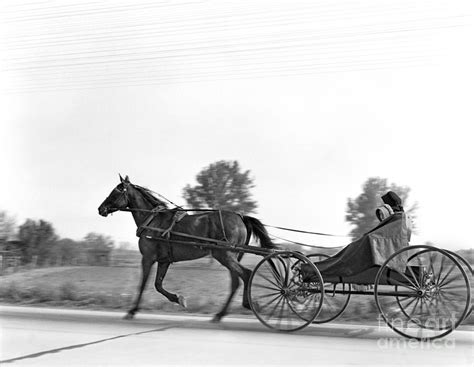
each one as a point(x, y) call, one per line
point(403, 298)
point(411, 300)
point(449, 301)
point(441, 267)
point(270, 315)
point(449, 281)
point(453, 292)
point(280, 317)
point(269, 280)
point(413, 276)
point(270, 302)
point(432, 253)
point(451, 307)
point(272, 294)
point(258, 285)
point(414, 308)
point(290, 321)
point(293, 310)
point(453, 266)
point(421, 306)
point(287, 270)
point(400, 283)
point(454, 286)
point(276, 273)
point(428, 307)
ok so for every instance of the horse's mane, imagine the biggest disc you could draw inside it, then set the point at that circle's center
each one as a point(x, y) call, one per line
point(150, 197)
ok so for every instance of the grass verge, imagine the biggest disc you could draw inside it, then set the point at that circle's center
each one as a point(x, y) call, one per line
point(92, 287)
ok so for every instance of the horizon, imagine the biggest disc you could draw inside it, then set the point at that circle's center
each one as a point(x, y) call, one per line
point(312, 98)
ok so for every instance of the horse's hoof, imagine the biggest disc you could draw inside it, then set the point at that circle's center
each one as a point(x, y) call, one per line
point(247, 306)
point(216, 319)
point(130, 314)
point(182, 301)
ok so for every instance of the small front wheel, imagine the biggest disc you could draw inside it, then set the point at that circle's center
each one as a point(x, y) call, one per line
point(282, 294)
point(335, 302)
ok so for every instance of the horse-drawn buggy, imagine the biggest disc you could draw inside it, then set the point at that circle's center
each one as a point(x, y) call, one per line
point(421, 292)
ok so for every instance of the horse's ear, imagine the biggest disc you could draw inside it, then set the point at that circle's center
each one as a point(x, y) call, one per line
point(121, 179)
point(126, 179)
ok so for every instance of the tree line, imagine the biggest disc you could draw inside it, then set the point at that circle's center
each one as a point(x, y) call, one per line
point(36, 242)
point(220, 185)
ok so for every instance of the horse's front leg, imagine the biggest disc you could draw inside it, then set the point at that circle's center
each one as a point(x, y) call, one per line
point(160, 275)
point(147, 263)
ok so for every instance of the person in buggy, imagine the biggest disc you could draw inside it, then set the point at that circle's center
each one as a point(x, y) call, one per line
point(391, 234)
point(392, 204)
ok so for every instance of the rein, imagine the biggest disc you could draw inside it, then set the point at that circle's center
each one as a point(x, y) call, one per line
point(156, 211)
point(132, 210)
point(307, 232)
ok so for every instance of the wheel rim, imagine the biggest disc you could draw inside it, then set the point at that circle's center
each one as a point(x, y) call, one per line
point(426, 301)
point(468, 269)
point(279, 297)
point(334, 304)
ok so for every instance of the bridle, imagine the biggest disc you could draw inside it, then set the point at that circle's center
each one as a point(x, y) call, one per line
point(124, 193)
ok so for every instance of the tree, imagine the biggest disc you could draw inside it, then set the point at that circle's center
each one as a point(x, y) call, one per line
point(98, 248)
point(7, 226)
point(98, 241)
point(222, 185)
point(66, 252)
point(126, 246)
point(37, 241)
point(361, 210)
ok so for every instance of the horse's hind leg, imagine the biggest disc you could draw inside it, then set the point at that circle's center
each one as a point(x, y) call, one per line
point(245, 275)
point(160, 275)
point(147, 263)
point(236, 271)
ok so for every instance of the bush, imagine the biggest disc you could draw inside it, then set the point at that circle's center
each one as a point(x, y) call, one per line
point(11, 292)
point(68, 292)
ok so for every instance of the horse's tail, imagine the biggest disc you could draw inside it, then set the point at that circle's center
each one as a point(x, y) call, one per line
point(256, 228)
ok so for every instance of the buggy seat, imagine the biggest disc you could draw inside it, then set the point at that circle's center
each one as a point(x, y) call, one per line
point(359, 261)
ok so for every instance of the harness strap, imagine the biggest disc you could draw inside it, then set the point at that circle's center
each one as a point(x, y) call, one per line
point(148, 220)
point(222, 226)
point(176, 218)
point(181, 234)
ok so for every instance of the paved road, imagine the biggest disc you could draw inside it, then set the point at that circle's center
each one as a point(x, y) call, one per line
point(56, 337)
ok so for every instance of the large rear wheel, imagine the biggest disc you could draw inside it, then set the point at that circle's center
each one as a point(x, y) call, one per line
point(281, 296)
point(422, 292)
point(468, 269)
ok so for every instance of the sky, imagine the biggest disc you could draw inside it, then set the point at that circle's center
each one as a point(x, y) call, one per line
point(312, 97)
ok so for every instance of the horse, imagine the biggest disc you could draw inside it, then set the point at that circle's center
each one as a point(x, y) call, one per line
point(165, 246)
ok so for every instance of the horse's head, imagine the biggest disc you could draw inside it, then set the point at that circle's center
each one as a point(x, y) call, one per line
point(117, 199)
